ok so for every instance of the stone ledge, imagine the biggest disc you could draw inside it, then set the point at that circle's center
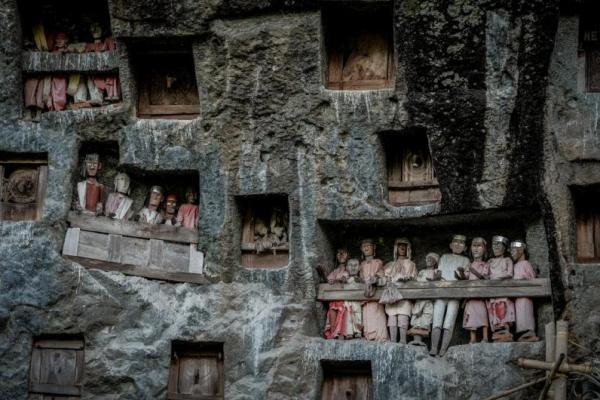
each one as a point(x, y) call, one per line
point(40, 61)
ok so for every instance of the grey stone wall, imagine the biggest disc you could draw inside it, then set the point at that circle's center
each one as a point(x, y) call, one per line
point(472, 74)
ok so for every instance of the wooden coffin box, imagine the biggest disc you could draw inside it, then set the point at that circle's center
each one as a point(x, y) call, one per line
point(153, 251)
point(539, 287)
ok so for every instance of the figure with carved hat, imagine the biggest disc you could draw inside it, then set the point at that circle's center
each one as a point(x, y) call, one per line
point(525, 319)
point(170, 212)
point(402, 269)
point(501, 311)
point(373, 313)
point(445, 311)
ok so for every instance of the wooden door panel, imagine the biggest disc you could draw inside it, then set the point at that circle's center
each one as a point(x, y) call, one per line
point(199, 376)
point(58, 366)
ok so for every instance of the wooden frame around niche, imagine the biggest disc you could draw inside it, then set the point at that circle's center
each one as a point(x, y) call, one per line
point(32, 169)
point(351, 29)
point(166, 81)
point(196, 371)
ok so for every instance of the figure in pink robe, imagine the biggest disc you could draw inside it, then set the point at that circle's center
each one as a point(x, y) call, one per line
point(525, 319)
point(373, 313)
point(190, 212)
point(501, 311)
point(335, 327)
point(475, 315)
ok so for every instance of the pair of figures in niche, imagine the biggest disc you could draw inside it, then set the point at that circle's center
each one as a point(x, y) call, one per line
point(62, 42)
point(391, 317)
point(92, 199)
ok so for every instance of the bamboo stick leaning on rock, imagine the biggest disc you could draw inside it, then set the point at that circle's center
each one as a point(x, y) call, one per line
point(515, 389)
point(559, 386)
point(555, 367)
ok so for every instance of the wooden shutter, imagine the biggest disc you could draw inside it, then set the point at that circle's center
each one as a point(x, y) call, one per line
point(196, 375)
point(588, 231)
point(56, 368)
point(167, 86)
point(592, 60)
point(348, 382)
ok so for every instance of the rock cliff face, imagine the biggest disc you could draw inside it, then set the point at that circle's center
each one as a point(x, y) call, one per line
point(492, 84)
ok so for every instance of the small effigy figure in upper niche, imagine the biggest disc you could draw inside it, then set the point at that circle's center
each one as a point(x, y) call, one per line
point(189, 212)
point(150, 214)
point(525, 319)
point(90, 193)
point(170, 212)
point(118, 205)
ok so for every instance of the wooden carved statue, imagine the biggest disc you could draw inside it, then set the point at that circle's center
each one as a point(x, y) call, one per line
point(525, 320)
point(354, 324)
point(475, 315)
point(337, 314)
point(189, 212)
point(21, 186)
point(118, 205)
point(170, 212)
point(150, 213)
point(501, 311)
point(422, 310)
point(402, 269)
point(272, 234)
point(446, 310)
point(61, 42)
point(371, 271)
point(90, 193)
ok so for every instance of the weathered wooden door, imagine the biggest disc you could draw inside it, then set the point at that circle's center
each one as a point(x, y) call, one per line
point(349, 386)
point(588, 229)
point(196, 374)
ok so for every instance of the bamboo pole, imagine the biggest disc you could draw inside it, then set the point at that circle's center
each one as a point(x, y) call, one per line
point(507, 392)
point(555, 367)
point(559, 387)
point(564, 368)
point(550, 340)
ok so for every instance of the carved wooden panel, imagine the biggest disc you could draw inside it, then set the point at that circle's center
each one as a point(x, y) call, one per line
point(359, 48)
point(167, 86)
point(348, 381)
point(411, 177)
point(56, 368)
point(196, 372)
point(22, 189)
point(588, 231)
point(592, 59)
point(265, 234)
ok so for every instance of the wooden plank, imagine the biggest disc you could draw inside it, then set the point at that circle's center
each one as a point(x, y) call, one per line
point(252, 247)
point(173, 374)
point(35, 366)
point(265, 260)
point(352, 387)
point(145, 272)
point(176, 257)
point(539, 287)
point(585, 234)
point(49, 388)
point(71, 243)
point(413, 185)
point(59, 344)
point(41, 191)
point(135, 251)
point(133, 229)
point(114, 248)
point(93, 245)
point(43, 61)
point(198, 376)
point(156, 253)
point(597, 233)
point(196, 264)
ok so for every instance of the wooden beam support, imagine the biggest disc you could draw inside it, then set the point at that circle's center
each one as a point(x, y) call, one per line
point(133, 229)
point(443, 290)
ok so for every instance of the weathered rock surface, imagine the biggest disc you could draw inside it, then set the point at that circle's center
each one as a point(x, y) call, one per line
point(472, 74)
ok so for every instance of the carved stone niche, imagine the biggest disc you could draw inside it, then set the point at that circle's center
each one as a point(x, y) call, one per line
point(196, 371)
point(166, 82)
point(56, 369)
point(347, 380)
point(589, 43)
point(587, 216)
point(359, 45)
point(265, 231)
point(23, 180)
point(410, 173)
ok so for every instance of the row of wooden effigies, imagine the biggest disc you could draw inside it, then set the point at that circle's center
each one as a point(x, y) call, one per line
point(394, 317)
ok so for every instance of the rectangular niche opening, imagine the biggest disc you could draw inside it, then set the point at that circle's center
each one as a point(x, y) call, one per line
point(589, 44)
point(196, 371)
point(587, 216)
point(265, 230)
point(56, 368)
point(23, 181)
point(69, 91)
point(166, 81)
point(347, 380)
point(43, 20)
point(410, 173)
point(128, 235)
point(359, 46)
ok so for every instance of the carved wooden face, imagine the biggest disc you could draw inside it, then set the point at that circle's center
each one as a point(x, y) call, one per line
point(517, 253)
point(353, 266)
point(498, 248)
point(122, 183)
point(368, 249)
point(402, 250)
point(92, 168)
point(457, 246)
point(155, 199)
point(342, 256)
point(477, 249)
point(191, 197)
point(171, 204)
point(430, 262)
